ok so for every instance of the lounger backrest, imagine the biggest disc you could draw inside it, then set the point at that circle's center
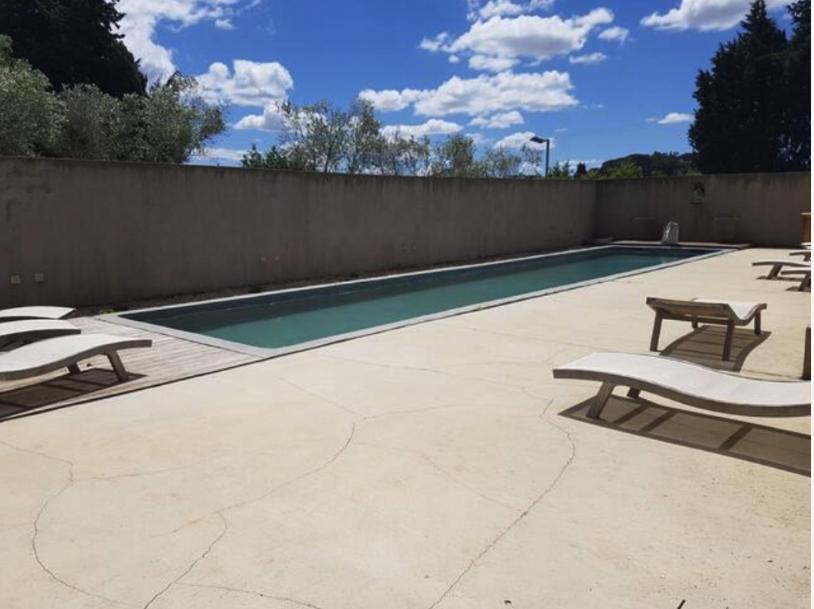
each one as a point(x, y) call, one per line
point(691, 308)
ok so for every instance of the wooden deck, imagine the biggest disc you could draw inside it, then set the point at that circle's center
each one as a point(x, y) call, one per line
point(170, 359)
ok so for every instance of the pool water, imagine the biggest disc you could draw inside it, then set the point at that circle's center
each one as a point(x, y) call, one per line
point(283, 319)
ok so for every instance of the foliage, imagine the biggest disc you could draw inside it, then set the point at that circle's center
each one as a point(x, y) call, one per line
point(30, 114)
point(560, 171)
point(405, 156)
point(653, 165)
point(456, 158)
point(581, 171)
point(73, 42)
point(744, 121)
point(274, 158)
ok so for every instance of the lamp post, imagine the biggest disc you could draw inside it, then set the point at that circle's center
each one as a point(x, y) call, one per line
point(539, 140)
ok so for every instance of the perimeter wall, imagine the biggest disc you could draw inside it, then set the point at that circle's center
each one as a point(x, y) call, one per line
point(96, 233)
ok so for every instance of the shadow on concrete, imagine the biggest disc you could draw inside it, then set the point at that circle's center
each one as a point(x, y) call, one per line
point(29, 399)
point(778, 448)
point(705, 346)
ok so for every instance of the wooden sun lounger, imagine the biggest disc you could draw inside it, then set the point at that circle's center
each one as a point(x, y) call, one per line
point(689, 384)
point(806, 254)
point(30, 330)
point(18, 313)
point(66, 352)
point(777, 264)
point(697, 310)
point(805, 277)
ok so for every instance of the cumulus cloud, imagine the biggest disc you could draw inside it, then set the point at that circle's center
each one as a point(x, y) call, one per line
point(534, 92)
point(501, 120)
point(497, 8)
point(248, 84)
point(227, 156)
point(142, 17)
point(499, 42)
point(704, 15)
point(672, 118)
point(433, 126)
point(435, 44)
point(616, 33)
point(521, 139)
point(272, 119)
point(491, 64)
point(588, 59)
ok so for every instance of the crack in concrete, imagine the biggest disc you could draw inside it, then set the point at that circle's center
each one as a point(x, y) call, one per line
point(334, 403)
point(523, 514)
point(446, 474)
point(36, 523)
point(191, 566)
point(221, 513)
point(281, 599)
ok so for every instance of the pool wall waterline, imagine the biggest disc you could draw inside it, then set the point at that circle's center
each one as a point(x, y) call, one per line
point(265, 352)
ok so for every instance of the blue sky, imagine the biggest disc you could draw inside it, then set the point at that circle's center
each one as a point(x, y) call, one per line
point(604, 79)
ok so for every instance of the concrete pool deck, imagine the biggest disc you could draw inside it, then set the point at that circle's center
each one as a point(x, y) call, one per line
point(438, 465)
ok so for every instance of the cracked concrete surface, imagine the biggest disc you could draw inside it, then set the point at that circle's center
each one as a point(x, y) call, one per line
point(427, 467)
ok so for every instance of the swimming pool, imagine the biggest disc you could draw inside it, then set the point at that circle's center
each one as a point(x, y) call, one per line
point(274, 323)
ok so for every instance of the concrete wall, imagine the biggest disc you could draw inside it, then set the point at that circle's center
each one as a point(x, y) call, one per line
point(761, 209)
point(104, 233)
point(93, 233)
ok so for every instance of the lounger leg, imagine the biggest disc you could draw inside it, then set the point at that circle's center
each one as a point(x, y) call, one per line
point(730, 332)
point(600, 400)
point(694, 324)
point(774, 272)
point(118, 367)
point(633, 393)
point(73, 368)
point(757, 324)
point(654, 338)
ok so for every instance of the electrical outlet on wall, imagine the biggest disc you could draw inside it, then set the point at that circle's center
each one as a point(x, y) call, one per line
point(39, 277)
point(14, 279)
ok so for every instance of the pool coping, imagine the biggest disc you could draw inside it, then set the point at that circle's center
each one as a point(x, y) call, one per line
point(265, 353)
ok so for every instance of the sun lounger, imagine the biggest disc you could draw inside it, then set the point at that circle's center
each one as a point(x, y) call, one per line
point(697, 310)
point(805, 277)
point(66, 352)
point(806, 254)
point(687, 383)
point(18, 313)
point(778, 264)
point(30, 330)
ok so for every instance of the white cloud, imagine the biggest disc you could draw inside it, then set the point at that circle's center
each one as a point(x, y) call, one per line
point(270, 120)
point(530, 37)
point(435, 44)
point(705, 15)
point(519, 140)
point(249, 84)
point(534, 92)
point(491, 64)
point(616, 32)
point(454, 59)
point(221, 154)
point(433, 126)
point(672, 118)
point(224, 24)
point(142, 17)
point(501, 120)
point(497, 8)
point(588, 59)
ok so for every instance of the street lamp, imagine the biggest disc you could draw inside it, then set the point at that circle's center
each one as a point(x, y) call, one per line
point(540, 140)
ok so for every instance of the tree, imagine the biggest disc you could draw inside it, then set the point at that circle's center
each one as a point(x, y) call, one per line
point(73, 42)
point(405, 156)
point(743, 118)
point(455, 158)
point(560, 171)
point(622, 171)
point(93, 125)
point(30, 114)
point(365, 143)
point(581, 171)
point(274, 158)
point(500, 163)
point(798, 100)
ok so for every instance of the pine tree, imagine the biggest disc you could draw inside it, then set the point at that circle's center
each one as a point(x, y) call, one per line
point(73, 42)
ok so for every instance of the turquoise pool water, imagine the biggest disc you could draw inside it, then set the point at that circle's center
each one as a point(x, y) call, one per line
point(278, 320)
